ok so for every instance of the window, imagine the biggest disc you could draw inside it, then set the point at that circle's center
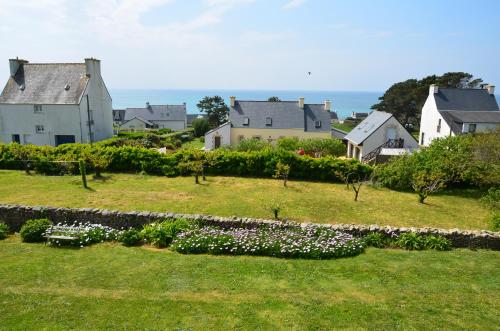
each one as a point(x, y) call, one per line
point(317, 124)
point(16, 138)
point(438, 129)
point(472, 128)
point(422, 139)
point(38, 108)
point(269, 121)
point(246, 121)
point(39, 129)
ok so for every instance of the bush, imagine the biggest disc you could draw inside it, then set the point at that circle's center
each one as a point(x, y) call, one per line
point(200, 127)
point(131, 237)
point(495, 222)
point(33, 230)
point(247, 145)
point(85, 234)
point(410, 241)
point(438, 243)
point(4, 230)
point(161, 234)
point(376, 239)
point(492, 198)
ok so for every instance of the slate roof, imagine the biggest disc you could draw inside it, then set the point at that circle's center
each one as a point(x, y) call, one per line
point(284, 115)
point(367, 126)
point(140, 119)
point(465, 100)
point(455, 119)
point(157, 113)
point(339, 134)
point(333, 115)
point(44, 83)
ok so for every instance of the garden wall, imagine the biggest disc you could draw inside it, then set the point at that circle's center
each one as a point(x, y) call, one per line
point(16, 215)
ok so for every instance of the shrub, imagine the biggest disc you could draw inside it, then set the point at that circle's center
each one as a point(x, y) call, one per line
point(276, 240)
point(495, 221)
point(410, 241)
point(4, 230)
point(33, 230)
point(161, 234)
point(253, 144)
point(84, 233)
point(200, 127)
point(131, 237)
point(437, 242)
point(492, 198)
point(376, 239)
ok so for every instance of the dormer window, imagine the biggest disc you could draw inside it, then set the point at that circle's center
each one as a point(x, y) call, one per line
point(37, 108)
point(317, 124)
point(246, 121)
point(269, 121)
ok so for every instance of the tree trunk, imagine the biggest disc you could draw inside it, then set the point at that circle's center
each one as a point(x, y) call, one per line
point(98, 173)
point(196, 180)
point(284, 182)
point(276, 214)
point(421, 197)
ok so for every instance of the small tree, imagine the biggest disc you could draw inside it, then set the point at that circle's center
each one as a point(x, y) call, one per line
point(355, 182)
point(200, 127)
point(274, 99)
point(282, 171)
point(275, 207)
point(195, 165)
point(425, 184)
point(98, 160)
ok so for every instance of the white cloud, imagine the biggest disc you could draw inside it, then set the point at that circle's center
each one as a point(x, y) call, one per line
point(293, 4)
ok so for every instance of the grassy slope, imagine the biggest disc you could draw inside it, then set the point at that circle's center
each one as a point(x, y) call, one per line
point(196, 143)
point(226, 196)
point(107, 286)
point(343, 127)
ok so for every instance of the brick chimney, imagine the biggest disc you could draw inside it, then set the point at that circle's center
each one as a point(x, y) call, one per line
point(433, 89)
point(491, 89)
point(14, 65)
point(328, 105)
point(92, 67)
point(301, 102)
point(232, 101)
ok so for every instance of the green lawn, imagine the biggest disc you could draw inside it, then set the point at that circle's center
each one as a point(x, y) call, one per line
point(196, 143)
point(343, 127)
point(227, 196)
point(110, 287)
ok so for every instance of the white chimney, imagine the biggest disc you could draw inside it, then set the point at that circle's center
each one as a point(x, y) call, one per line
point(328, 105)
point(433, 89)
point(491, 89)
point(301, 102)
point(93, 67)
point(14, 65)
point(232, 101)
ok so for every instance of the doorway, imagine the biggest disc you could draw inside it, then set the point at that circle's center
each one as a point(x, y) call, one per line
point(216, 141)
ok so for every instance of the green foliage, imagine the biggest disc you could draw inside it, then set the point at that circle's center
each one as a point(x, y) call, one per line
point(34, 230)
point(4, 230)
point(216, 109)
point(131, 237)
point(410, 241)
point(492, 198)
point(313, 146)
point(276, 207)
point(252, 145)
point(161, 234)
point(376, 239)
point(273, 99)
point(200, 127)
point(437, 242)
point(282, 172)
point(405, 99)
point(495, 221)
point(288, 143)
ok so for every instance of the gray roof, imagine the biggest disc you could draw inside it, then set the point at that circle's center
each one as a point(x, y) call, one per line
point(157, 113)
point(333, 115)
point(140, 119)
point(284, 115)
point(367, 126)
point(465, 99)
point(45, 83)
point(339, 134)
point(455, 119)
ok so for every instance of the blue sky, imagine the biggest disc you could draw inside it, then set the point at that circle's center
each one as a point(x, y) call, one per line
point(363, 45)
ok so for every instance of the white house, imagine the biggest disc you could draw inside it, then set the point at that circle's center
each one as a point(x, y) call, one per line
point(152, 116)
point(55, 103)
point(270, 121)
point(453, 111)
point(379, 133)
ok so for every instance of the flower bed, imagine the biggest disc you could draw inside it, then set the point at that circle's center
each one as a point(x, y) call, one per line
point(277, 241)
point(85, 234)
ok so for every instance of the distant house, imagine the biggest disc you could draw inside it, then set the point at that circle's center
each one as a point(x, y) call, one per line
point(271, 121)
point(333, 117)
point(55, 103)
point(192, 117)
point(452, 111)
point(379, 131)
point(152, 116)
point(359, 116)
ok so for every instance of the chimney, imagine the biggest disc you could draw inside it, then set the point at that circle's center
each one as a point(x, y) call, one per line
point(301, 102)
point(232, 101)
point(148, 106)
point(433, 89)
point(491, 89)
point(93, 67)
point(328, 105)
point(14, 65)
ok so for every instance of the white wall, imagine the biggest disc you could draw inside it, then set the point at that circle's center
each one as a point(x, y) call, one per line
point(173, 125)
point(22, 120)
point(134, 124)
point(480, 127)
point(224, 131)
point(429, 123)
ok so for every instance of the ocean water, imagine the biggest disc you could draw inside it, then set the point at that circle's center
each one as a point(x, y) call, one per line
point(344, 103)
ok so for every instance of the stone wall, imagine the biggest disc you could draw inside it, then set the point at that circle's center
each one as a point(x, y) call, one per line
point(16, 215)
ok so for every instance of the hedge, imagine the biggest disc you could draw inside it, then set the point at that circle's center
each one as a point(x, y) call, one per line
point(221, 162)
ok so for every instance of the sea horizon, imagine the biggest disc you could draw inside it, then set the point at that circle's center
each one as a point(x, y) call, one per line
point(343, 102)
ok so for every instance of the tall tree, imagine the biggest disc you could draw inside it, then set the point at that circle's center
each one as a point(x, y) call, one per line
point(406, 99)
point(274, 99)
point(215, 108)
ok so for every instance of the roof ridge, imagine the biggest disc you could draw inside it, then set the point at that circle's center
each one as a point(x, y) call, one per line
point(56, 63)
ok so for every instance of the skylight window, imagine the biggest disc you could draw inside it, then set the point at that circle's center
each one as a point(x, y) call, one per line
point(246, 121)
point(269, 121)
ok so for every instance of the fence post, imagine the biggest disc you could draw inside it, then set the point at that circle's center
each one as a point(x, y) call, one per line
point(81, 165)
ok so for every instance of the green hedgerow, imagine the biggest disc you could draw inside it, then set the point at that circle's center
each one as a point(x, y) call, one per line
point(376, 239)
point(439, 243)
point(410, 241)
point(33, 230)
point(4, 230)
point(495, 222)
point(131, 237)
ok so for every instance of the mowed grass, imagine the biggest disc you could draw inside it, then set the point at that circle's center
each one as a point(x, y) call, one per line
point(249, 197)
point(111, 287)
